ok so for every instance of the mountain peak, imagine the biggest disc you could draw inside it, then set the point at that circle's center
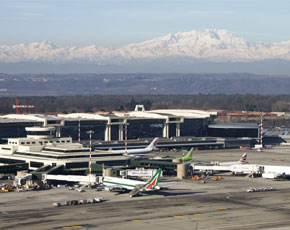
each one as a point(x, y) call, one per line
point(214, 45)
point(47, 45)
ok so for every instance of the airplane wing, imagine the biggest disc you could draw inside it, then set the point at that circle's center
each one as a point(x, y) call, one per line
point(117, 189)
point(136, 191)
point(141, 188)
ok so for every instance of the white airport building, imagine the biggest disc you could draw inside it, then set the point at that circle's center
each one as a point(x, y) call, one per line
point(136, 124)
point(40, 147)
point(39, 139)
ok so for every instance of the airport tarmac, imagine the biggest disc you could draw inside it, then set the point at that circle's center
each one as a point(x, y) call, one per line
point(188, 204)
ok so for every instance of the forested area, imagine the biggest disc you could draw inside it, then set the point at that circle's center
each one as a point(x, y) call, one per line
point(70, 104)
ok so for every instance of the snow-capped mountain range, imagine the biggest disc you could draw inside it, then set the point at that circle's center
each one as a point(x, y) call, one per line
point(216, 45)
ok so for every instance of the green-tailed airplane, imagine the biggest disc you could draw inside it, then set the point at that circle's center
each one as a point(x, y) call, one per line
point(188, 156)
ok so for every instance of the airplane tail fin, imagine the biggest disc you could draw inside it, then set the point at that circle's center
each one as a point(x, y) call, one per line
point(243, 159)
point(153, 182)
point(188, 156)
point(153, 144)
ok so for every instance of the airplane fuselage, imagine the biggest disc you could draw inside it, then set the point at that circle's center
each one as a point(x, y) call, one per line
point(133, 151)
point(119, 182)
point(229, 163)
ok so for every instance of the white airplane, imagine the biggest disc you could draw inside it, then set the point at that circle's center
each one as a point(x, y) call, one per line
point(148, 149)
point(243, 160)
point(273, 172)
point(134, 187)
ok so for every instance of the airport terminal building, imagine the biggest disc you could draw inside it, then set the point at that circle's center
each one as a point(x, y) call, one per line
point(136, 124)
point(41, 140)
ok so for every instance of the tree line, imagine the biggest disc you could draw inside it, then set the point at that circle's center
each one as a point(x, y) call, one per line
point(71, 104)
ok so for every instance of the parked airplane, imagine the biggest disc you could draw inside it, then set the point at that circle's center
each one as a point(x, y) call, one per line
point(188, 156)
point(243, 160)
point(273, 172)
point(148, 149)
point(134, 187)
point(240, 166)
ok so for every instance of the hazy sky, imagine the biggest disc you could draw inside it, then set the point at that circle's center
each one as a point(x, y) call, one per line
point(112, 23)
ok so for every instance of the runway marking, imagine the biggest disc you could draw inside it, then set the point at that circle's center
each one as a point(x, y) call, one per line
point(69, 227)
point(198, 214)
point(178, 216)
point(135, 220)
point(78, 226)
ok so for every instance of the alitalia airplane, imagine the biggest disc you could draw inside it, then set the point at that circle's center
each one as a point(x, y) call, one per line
point(148, 149)
point(134, 187)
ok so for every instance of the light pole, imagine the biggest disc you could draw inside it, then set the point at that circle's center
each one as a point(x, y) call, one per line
point(261, 130)
point(79, 131)
point(126, 152)
point(90, 132)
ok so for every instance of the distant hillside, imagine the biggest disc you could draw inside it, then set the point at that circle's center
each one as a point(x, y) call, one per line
point(93, 103)
point(142, 83)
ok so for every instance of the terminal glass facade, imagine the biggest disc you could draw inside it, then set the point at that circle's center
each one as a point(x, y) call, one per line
point(219, 132)
point(193, 127)
point(73, 131)
point(143, 130)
